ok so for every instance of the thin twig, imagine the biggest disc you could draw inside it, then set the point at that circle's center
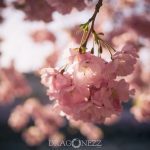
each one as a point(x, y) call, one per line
point(92, 19)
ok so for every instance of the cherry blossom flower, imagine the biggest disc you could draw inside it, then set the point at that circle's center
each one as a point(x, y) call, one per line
point(88, 69)
point(111, 120)
point(73, 95)
point(33, 136)
point(18, 118)
point(55, 80)
point(125, 60)
point(89, 88)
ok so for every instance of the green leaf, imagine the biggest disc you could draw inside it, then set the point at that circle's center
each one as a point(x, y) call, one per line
point(96, 38)
point(83, 49)
point(84, 27)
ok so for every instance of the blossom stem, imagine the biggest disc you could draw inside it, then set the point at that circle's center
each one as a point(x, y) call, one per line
point(92, 19)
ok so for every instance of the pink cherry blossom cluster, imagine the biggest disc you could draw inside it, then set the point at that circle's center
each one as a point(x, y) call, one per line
point(89, 88)
point(140, 80)
point(141, 110)
point(49, 7)
point(46, 121)
point(12, 84)
point(89, 130)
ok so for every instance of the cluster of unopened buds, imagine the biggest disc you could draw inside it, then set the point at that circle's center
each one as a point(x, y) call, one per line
point(90, 88)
